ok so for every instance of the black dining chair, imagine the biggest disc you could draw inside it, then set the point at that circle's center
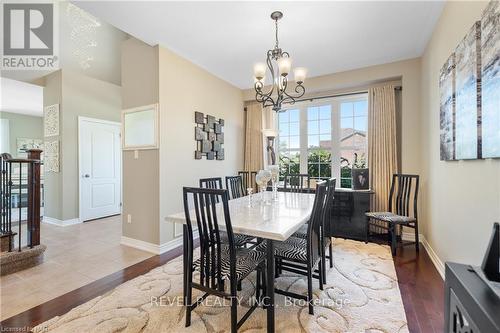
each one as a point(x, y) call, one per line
point(248, 178)
point(403, 197)
point(302, 256)
point(300, 183)
point(234, 185)
point(216, 183)
point(218, 261)
point(326, 217)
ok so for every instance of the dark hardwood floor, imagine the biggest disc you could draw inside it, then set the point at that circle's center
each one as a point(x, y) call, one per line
point(421, 287)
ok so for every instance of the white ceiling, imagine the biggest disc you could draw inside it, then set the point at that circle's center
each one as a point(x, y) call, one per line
point(21, 97)
point(227, 38)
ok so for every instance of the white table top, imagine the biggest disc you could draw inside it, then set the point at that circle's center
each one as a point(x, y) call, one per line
point(277, 221)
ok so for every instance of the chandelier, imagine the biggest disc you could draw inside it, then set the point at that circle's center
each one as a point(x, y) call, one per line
point(279, 64)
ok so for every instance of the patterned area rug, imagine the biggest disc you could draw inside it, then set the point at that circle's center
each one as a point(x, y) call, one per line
point(361, 295)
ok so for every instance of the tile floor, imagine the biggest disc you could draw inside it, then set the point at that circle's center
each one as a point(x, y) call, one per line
point(76, 255)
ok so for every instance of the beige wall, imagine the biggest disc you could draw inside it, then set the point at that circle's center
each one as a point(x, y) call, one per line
point(184, 89)
point(52, 94)
point(140, 176)
point(460, 199)
point(82, 96)
point(22, 126)
point(77, 95)
point(407, 71)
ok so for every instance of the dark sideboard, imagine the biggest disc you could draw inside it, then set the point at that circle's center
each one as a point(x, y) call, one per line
point(471, 306)
point(348, 214)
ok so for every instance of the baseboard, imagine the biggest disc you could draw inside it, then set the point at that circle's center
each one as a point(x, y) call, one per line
point(60, 223)
point(409, 236)
point(150, 247)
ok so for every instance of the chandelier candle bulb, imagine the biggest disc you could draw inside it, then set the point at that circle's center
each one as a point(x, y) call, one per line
point(259, 71)
point(284, 65)
point(300, 74)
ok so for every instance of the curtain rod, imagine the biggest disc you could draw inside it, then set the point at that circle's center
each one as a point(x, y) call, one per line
point(341, 95)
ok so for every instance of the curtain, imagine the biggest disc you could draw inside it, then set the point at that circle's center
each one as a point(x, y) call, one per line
point(254, 153)
point(382, 143)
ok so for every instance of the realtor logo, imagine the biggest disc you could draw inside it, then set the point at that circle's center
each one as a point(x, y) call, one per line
point(29, 36)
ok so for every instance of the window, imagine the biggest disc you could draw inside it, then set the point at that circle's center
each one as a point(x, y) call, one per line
point(289, 142)
point(353, 139)
point(319, 141)
point(325, 139)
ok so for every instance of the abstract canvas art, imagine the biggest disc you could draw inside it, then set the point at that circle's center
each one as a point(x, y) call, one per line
point(209, 137)
point(467, 99)
point(447, 109)
point(490, 80)
point(469, 84)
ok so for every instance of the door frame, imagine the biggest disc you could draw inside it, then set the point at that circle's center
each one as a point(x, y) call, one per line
point(98, 121)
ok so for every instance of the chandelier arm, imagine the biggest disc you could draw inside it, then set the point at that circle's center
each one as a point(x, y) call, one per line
point(299, 89)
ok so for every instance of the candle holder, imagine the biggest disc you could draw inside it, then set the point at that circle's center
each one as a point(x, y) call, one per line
point(250, 196)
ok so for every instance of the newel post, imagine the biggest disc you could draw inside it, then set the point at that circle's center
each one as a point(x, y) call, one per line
point(34, 197)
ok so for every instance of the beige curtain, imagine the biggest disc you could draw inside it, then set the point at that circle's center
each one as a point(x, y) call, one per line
point(254, 156)
point(382, 143)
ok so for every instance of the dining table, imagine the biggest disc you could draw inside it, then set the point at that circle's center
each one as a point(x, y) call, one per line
point(271, 217)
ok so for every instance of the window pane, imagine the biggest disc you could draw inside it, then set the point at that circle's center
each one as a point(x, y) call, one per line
point(360, 123)
point(283, 144)
point(325, 112)
point(294, 115)
point(294, 129)
point(325, 126)
point(346, 109)
point(283, 117)
point(313, 141)
point(284, 128)
point(325, 170)
point(361, 108)
point(325, 141)
point(312, 113)
point(313, 127)
point(346, 123)
point(294, 142)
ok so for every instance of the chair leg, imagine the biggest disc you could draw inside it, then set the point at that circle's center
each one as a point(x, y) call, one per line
point(321, 274)
point(393, 238)
point(417, 242)
point(367, 230)
point(323, 261)
point(331, 254)
point(239, 286)
point(188, 300)
point(309, 289)
point(234, 308)
point(258, 285)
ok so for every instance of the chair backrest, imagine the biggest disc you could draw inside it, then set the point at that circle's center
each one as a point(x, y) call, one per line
point(248, 178)
point(327, 211)
point(215, 182)
point(315, 221)
point(297, 183)
point(206, 218)
point(404, 195)
point(234, 185)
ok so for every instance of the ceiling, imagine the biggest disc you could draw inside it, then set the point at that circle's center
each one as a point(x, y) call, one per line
point(21, 97)
point(227, 38)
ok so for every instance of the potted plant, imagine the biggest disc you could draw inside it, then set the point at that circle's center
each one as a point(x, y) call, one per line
point(360, 175)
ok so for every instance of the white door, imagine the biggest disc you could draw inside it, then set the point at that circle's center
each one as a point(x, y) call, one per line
point(100, 168)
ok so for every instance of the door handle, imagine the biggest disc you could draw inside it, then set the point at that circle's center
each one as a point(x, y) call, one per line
point(86, 175)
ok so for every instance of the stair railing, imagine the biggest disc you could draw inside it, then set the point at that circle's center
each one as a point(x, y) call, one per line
point(28, 188)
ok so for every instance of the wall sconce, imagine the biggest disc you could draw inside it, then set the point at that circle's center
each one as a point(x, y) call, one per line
point(270, 134)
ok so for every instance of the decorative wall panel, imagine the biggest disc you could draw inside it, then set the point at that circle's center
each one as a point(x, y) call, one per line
point(209, 137)
point(51, 120)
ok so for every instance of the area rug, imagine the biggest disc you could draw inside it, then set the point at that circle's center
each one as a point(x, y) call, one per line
point(361, 295)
